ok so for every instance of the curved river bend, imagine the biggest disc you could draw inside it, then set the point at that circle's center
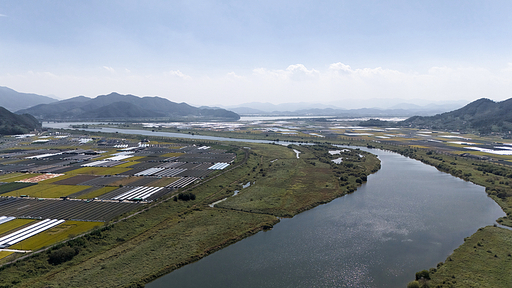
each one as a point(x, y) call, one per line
point(406, 218)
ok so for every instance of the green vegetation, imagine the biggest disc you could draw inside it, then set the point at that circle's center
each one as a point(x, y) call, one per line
point(96, 193)
point(11, 124)
point(174, 233)
point(19, 176)
point(47, 190)
point(98, 171)
point(14, 186)
point(484, 260)
point(287, 186)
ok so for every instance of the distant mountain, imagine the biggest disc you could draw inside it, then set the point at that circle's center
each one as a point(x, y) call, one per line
point(12, 124)
point(14, 101)
point(483, 115)
point(302, 109)
point(115, 106)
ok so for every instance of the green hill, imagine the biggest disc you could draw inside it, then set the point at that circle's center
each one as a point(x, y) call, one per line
point(483, 116)
point(12, 124)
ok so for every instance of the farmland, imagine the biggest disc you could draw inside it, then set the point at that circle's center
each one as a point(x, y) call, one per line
point(73, 195)
point(191, 224)
point(282, 185)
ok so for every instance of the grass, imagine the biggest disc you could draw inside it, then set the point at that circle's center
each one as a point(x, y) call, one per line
point(55, 234)
point(127, 164)
point(98, 171)
point(5, 188)
point(47, 190)
point(174, 154)
point(159, 250)
point(484, 260)
point(13, 224)
point(97, 192)
point(4, 254)
point(288, 186)
point(6, 177)
point(20, 177)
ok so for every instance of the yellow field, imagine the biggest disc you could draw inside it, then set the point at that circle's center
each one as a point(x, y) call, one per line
point(163, 182)
point(97, 192)
point(47, 190)
point(13, 224)
point(4, 254)
point(55, 234)
point(124, 165)
point(20, 176)
point(135, 158)
point(172, 154)
point(97, 171)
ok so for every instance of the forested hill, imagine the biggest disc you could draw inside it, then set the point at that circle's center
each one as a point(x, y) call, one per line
point(124, 107)
point(483, 116)
point(11, 124)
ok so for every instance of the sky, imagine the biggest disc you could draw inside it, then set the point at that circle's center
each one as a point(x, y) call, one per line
point(233, 52)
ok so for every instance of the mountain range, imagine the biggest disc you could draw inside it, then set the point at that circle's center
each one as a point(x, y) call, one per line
point(399, 109)
point(13, 100)
point(119, 107)
point(483, 116)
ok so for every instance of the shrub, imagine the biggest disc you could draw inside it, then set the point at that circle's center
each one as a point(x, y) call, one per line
point(424, 274)
point(61, 255)
point(413, 284)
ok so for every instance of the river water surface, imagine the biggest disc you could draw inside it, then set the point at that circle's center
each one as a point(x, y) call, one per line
point(406, 218)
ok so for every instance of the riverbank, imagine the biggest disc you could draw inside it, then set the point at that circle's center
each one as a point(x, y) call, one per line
point(174, 233)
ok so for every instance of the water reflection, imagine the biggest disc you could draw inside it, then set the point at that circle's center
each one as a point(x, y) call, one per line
point(408, 217)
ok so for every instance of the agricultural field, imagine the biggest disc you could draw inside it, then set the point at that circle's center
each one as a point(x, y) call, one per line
point(72, 195)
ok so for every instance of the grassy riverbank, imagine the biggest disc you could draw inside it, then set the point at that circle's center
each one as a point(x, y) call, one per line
point(171, 234)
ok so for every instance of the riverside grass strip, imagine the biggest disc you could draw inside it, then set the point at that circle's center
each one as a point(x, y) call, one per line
point(484, 260)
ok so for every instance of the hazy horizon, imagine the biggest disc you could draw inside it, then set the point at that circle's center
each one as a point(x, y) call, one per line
point(229, 53)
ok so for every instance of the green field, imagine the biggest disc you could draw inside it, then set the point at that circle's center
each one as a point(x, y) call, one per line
point(98, 171)
point(5, 188)
point(18, 176)
point(96, 193)
point(47, 191)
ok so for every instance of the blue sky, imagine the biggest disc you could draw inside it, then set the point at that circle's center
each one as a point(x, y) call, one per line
point(230, 52)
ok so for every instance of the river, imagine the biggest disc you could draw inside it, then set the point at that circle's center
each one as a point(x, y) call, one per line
point(406, 218)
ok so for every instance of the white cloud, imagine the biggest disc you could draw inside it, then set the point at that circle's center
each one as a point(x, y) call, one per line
point(109, 69)
point(338, 82)
point(2, 15)
point(179, 74)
